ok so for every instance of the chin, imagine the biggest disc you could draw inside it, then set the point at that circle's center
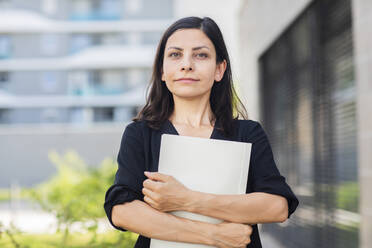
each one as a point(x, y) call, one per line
point(189, 94)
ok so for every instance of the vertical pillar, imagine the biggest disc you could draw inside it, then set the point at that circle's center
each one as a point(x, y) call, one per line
point(362, 35)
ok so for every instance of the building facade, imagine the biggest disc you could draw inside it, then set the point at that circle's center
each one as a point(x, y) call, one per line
point(72, 74)
point(311, 78)
point(77, 61)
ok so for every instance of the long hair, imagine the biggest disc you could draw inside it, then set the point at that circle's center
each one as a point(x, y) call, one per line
point(225, 104)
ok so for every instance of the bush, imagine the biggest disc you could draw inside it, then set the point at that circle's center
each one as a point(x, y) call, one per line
point(76, 194)
point(348, 196)
point(111, 239)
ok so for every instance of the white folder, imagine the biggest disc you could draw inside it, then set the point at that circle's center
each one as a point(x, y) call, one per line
point(204, 165)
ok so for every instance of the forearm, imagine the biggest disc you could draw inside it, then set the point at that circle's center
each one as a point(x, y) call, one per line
point(245, 208)
point(139, 217)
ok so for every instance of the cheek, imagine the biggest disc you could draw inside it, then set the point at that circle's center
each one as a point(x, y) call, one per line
point(168, 69)
point(209, 72)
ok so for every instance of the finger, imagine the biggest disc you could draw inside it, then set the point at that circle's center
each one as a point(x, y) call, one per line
point(149, 201)
point(150, 184)
point(157, 176)
point(150, 194)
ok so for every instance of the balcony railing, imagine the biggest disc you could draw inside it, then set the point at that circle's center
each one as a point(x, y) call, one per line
point(98, 15)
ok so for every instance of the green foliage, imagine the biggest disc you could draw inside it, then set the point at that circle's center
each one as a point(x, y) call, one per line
point(111, 239)
point(74, 194)
point(9, 234)
point(4, 195)
point(348, 196)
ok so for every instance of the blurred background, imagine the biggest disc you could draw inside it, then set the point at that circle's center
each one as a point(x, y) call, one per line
point(73, 73)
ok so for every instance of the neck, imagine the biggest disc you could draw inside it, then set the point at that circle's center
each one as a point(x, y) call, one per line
point(194, 112)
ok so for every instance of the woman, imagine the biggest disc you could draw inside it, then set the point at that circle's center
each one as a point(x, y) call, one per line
point(192, 94)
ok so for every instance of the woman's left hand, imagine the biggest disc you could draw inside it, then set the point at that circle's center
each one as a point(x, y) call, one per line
point(164, 193)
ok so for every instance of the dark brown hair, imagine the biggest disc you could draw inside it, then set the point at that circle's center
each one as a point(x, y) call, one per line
point(225, 104)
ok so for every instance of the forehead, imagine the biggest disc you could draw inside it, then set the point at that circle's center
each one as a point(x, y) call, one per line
point(185, 38)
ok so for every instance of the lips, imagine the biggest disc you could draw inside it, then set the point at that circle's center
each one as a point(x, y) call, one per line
point(187, 80)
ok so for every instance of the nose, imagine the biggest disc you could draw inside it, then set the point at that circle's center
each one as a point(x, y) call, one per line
point(186, 69)
point(187, 64)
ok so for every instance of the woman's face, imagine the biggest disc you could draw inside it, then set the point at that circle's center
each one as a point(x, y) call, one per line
point(189, 65)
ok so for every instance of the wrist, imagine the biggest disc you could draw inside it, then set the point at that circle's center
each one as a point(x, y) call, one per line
point(214, 234)
point(191, 201)
point(198, 232)
point(210, 231)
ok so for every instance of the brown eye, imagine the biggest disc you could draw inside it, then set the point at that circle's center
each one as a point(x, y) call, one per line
point(202, 55)
point(174, 55)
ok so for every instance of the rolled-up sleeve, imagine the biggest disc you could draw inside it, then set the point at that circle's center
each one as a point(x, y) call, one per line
point(129, 176)
point(264, 175)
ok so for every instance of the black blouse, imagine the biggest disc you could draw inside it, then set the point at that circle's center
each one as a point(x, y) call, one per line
point(139, 152)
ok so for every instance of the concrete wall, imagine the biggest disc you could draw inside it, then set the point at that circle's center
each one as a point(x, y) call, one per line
point(362, 32)
point(150, 9)
point(37, 83)
point(38, 45)
point(261, 22)
point(33, 5)
point(24, 149)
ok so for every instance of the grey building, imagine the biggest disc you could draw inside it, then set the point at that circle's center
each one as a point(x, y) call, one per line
point(308, 61)
point(72, 74)
point(77, 60)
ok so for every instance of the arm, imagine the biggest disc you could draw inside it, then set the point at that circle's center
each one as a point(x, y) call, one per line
point(141, 218)
point(245, 208)
point(165, 193)
point(271, 199)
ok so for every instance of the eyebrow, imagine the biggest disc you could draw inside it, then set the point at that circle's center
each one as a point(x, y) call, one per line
point(194, 48)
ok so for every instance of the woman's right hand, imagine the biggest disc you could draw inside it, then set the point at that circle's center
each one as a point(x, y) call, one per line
point(232, 235)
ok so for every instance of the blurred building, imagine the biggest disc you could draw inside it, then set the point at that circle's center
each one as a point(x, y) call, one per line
point(72, 74)
point(309, 65)
point(74, 61)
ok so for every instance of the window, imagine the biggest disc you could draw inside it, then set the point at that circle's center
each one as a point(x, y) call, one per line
point(4, 77)
point(49, 82)
point(309, 113)
point(103, 114)
point(49, 44)
point(134, 38)
point(78, 82)
point(123, 114)
point(135, 77)
point(151, 38)
point(133, 6)
point(111, 82)
point(81, 115)
point(4, 116)
point(81, 10)
point(110, 9)
point(111, 39)
point(96, 39)
point(49, 115)
point(96, 10)
point(4, 46)
point(79, 42)
point(49, 7)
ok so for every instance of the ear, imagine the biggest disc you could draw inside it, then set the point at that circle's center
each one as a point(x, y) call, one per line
point(220, 70)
